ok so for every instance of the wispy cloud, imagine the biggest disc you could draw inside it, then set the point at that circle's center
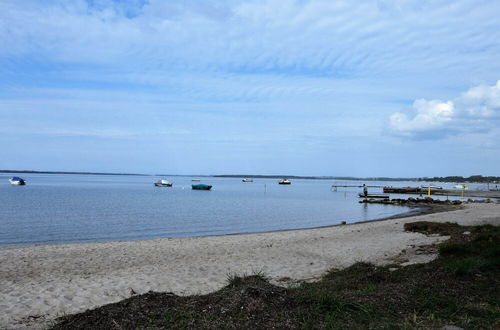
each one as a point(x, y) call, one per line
point(268, 74)
point(317, 37)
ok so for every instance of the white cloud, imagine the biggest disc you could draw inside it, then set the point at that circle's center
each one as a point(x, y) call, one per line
point(482, 101)
point(430, 115)
point(477, 110)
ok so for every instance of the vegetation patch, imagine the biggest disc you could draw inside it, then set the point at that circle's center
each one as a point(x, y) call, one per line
point(461, 287)
point(426, 227)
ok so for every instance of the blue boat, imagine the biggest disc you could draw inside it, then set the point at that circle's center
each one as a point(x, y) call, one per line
point(17, 181)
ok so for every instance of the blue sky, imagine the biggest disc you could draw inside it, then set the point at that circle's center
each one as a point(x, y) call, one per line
point(349, 88)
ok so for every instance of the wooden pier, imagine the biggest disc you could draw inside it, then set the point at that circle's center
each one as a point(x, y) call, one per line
point(404, 190)
point(491, 193)
point(336, 186)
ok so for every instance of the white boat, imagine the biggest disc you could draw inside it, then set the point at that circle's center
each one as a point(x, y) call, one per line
point(247, 180)
point(163, 183)
point(195, 180)
point(461, 186)
point(285, 181)
point(17, 181)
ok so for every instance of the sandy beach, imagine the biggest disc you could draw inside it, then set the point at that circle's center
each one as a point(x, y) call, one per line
point(39, 283)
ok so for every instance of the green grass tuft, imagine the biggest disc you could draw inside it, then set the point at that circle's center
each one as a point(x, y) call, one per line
point(234, 280)
point(454, 249)
point(180, 319)
point(466, 266)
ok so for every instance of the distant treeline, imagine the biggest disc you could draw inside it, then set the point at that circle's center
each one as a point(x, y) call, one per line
point(274, 176)
point(55, 172)
point(472, 178)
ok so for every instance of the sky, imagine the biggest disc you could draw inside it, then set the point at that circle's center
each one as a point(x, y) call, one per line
point(366, 88)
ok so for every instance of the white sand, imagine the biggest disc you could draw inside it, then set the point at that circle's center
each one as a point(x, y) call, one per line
point(39, 283)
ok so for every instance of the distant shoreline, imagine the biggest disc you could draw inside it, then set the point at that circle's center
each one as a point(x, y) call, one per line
point(57, 172)
point(454, 179)
point(448, 179)
point(253, 176)
point(273, 176)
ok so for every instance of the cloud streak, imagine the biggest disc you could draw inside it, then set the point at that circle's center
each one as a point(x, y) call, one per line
point(319, 37)
point(299, 75)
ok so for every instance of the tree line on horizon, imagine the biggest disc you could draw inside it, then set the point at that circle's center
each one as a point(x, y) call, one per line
point(472, 178)
point(453, 178)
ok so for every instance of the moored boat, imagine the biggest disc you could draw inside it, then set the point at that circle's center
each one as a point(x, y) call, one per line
point(285, 181)
point(247, 180)
point(163, 183)
point(17, 181)
point(201, 186)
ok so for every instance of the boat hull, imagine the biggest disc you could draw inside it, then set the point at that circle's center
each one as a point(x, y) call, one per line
point(17, 182)
point(201, 187)
point(163, 185)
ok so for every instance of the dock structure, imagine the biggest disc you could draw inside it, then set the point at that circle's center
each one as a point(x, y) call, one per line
point(467, 193)
point(335, 186)
point(403, 190)
point(425, 190)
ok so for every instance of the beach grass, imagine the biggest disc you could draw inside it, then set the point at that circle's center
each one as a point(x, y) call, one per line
point(461, 288)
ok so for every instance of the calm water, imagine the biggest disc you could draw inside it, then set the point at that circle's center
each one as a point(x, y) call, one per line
point(80, 208)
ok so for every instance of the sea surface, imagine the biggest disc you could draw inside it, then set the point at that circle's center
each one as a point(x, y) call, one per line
point(67, 208)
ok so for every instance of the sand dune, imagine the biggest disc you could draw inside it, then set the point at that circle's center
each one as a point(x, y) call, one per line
point(39, 283)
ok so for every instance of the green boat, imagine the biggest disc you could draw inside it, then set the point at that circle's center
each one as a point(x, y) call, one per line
point(201, 186)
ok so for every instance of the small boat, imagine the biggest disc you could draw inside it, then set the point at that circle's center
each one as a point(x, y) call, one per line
point(461, 186)
point(201, 186)
point(17, 181)
point(285, 181)
point(247, 180)
point(163, 183)
point(195, 180)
